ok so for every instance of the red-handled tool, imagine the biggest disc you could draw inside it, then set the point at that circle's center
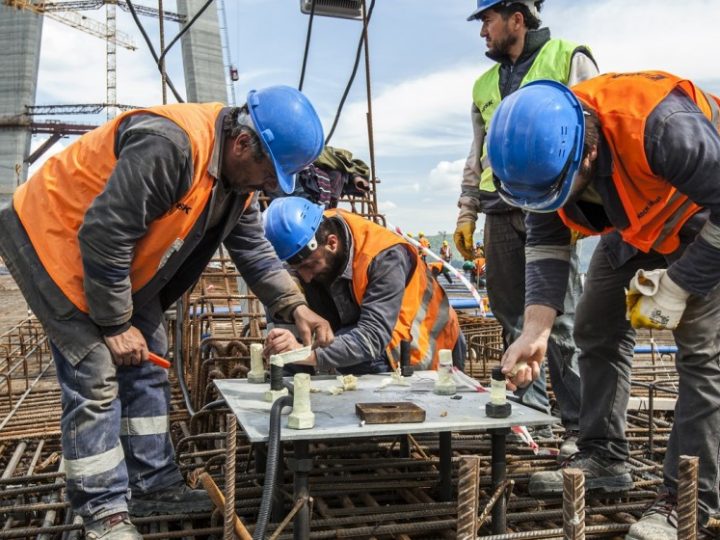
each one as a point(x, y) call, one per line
point(158, 360)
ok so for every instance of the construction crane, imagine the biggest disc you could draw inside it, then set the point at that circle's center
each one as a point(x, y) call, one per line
point(66, 13)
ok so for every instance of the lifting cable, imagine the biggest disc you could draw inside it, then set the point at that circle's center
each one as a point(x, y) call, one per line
point(354, 72)
point(159, 60)
point(307, 44)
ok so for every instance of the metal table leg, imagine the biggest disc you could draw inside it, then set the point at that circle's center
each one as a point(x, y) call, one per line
point(445, 487)
point(301, 466)
point(498, 467)
point(404, 446)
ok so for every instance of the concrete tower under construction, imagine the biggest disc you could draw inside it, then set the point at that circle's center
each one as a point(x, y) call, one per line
point(20, 43)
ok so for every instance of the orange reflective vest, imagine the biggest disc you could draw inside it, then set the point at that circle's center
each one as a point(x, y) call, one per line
point(425, 318)
point(52, 204)
point(656, 210)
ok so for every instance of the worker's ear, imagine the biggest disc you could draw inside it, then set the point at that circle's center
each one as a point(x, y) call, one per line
point(332, 244)
point(240, 144)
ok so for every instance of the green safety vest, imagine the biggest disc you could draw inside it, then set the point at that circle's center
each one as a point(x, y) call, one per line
point(552, 62)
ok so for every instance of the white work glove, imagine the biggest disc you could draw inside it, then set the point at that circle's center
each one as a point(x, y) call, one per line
point(654, 300)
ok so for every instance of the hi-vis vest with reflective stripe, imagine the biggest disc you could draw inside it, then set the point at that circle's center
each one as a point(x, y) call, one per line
point(52, 204)
point(552, 62)
point(426, 317)
point(655, 210)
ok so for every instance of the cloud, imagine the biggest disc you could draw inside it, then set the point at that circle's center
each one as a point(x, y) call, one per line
point(428, 113)
point(446, 175)
point(384, 206)
point(630, 36)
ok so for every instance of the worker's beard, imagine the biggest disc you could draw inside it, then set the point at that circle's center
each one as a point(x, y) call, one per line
point(502, 46)
point(333, 267)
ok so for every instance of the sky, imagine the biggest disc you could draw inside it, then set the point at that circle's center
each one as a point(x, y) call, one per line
point(424, 57)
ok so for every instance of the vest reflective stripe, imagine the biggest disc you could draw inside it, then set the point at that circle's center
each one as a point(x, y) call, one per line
point(92, 465)
point(146, 425)
point(711, 234)
point(552, 62)
point(714, 104)
point(426, 317)
point(52, 204)
point(655, 210)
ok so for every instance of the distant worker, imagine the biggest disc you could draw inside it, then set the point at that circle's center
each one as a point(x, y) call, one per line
point(479, 252)
point(524, 52)
point(333, 174)
point(642, 158)
point(445, 252)
point(350, 269)
point(106, 236)
point(437, 268)
point(424, 245)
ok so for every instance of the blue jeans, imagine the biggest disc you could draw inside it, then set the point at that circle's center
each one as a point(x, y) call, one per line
point(115, 435)
point(505, 273)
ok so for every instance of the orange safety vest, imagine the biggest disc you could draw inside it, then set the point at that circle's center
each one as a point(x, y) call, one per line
point(656, 210)
point(426, 317)
point(52, 204)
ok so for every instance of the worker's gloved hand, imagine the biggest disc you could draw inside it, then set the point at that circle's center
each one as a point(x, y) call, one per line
point(654, 300)
point(463, 238)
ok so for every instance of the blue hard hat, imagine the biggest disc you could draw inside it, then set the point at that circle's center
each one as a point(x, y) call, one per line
point(482, 5)
point(535, 145)
point(289, 129)
point(290, 225)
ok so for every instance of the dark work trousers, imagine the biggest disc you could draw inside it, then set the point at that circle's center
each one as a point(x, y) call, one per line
point(115, 425)
point(606, 341)
point(505, 273)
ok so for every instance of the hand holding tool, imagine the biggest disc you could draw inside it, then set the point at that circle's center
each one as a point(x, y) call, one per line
point(158, 360)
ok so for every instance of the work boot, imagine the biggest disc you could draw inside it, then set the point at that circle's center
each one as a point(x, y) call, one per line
point(609, 476)
point(176, 499)
point(659, 522)
point(113, 527)
point(568, 446)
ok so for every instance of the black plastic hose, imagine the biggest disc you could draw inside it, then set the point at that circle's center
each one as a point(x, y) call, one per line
point(271, 467)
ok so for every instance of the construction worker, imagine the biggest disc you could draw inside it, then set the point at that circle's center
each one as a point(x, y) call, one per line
point(424, 245)
point(637, 154)
point(107, 235)
point(350, 269)
point(445, 252)
point(437, 268)
point(524, 52)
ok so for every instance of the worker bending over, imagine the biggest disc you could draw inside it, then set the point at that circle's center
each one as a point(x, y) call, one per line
point(637, 154)
point(107, 235)
point(369, 283)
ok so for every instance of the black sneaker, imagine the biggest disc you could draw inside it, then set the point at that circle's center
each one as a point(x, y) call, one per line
point(176, 499)
point(659, 522)
point(113, 527)
point(601, 474)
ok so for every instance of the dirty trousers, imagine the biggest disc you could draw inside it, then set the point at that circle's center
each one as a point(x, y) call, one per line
point(606, 341)
point(504, 240)
point(115, 435)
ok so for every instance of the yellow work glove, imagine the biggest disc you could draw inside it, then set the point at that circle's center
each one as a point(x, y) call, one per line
point(463, 238)
point(654, 300)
